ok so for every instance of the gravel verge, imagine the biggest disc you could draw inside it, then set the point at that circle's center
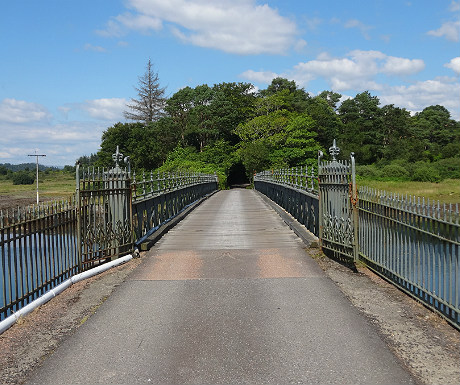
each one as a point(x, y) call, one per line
point(427, 345)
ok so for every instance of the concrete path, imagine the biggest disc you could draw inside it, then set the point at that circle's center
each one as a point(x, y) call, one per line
point(228, 296)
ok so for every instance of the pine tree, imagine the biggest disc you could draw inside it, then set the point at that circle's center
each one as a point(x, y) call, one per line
point(150, 104)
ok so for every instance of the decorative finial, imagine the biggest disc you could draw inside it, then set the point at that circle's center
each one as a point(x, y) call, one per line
point(334, 151)
point(117, 157)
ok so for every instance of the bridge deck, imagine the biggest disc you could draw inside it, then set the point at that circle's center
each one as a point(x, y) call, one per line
point(228, 296)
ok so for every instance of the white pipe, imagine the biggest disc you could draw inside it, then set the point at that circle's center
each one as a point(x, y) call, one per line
point(9, 321)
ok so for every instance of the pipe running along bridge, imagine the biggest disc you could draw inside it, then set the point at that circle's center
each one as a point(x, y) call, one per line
point(230, 294)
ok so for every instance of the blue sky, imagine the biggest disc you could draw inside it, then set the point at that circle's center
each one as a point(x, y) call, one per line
point(68, 68)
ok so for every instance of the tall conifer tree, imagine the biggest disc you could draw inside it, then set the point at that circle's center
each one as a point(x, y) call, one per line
point(149, 106)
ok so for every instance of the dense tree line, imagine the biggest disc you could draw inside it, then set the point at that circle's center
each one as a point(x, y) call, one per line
point(228, 124)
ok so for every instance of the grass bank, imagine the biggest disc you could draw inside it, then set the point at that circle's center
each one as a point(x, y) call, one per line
point(54, 185)
point(61, 185)
point(447, 191)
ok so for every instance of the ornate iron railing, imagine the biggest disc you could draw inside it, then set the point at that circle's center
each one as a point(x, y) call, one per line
point(38, 250)
point(411, 241)
point(41, 246)
point(160, 197)
point(416, 244)
point(104, 215)
point(294, 189)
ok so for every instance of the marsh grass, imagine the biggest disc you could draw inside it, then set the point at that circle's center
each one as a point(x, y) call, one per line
point(61, 185)
point(447, 191)
point(53, 185)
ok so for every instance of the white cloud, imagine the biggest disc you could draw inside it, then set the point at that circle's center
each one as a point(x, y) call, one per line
point(417, 96)
point(355, 71)
point(454, 65)
point(105, 109)
point(367, 70)
point(454, 6)
point(259, 76)
point(142, 23)
point(20, 111)
point(28, 126)
point(450, 30)
point(112, 29)
point(63, 143)
point(363, 28)
point(402, 66)
point(95, 48)
point(234, 26)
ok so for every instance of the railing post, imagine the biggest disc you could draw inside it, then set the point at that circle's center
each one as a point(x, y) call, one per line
point(78, 214)
point(354, 208)
point(320, 204)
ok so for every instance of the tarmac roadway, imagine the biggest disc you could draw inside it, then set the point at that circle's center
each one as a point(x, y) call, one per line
point(229, 296)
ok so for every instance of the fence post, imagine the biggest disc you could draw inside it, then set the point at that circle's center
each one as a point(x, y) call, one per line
point(354, 208)
point(320, 205)
point(78, 213)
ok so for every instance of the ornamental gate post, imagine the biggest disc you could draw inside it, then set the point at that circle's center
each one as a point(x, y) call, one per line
point(337, 203)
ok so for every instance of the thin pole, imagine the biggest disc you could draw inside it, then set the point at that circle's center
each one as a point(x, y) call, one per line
point(37, 155)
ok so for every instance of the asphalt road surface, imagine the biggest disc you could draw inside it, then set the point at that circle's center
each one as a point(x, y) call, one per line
point(229, 296)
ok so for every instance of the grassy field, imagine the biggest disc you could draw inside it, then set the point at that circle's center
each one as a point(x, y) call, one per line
point(51, 186)
point(447, 191)
point(60, 185)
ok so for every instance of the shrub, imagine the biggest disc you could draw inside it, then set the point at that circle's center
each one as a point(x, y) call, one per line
point(394, 171)
point(424, 172)
point(23, 177)
point(367, 171)
point(448, 168)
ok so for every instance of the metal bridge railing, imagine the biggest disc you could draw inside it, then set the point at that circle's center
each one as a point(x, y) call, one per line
point(38, 250)
point(411, 241)
point(416, 244)
point(294, 189)
point(160, 197)
point(41, 246)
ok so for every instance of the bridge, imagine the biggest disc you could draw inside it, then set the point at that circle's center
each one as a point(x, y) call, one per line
point(231, 294)
point(228, 296)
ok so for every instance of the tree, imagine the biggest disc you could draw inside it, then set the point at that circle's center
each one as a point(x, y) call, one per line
point(362, 127)
point(331, 97)
point(284, 94)
point(327, 122)
point(151, 102)
point(232, 104)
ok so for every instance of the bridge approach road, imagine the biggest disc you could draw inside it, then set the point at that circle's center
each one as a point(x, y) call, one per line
point(228, 296)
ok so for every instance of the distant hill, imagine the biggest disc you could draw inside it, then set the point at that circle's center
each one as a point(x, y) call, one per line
point(30, 166)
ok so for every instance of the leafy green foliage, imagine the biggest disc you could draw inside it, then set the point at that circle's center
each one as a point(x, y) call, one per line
point(229, 128)
point(23, 177)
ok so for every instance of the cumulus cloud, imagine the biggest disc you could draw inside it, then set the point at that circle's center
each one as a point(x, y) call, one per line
point(450, 30)
point(454, 65)
point(63, 143)
point(402, 66)
point(417, 96)
point(357, 70)
point(105, 109)
point(27, 126)
point(20, 111)
point(259, 76)
point(234, 26)
point(368, 70)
